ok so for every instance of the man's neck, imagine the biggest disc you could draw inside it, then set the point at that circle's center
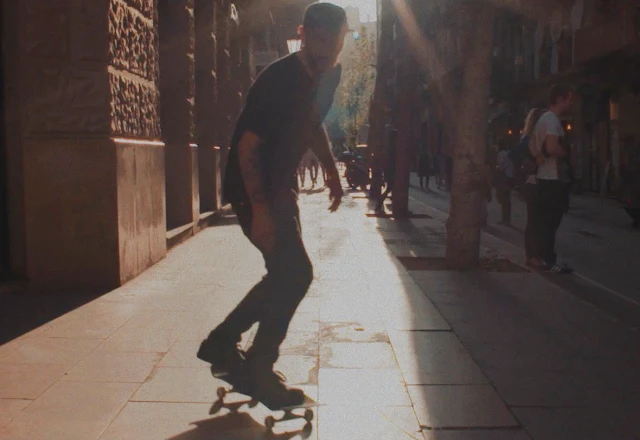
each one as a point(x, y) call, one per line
point(555, 111)
point(302, 56)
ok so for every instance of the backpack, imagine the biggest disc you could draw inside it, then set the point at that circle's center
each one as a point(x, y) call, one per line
point(524, 164)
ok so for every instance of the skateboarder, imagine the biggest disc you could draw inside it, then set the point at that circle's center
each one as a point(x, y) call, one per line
point(282, 118)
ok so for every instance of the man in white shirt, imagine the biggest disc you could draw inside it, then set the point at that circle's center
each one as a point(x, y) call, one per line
point(554, 175)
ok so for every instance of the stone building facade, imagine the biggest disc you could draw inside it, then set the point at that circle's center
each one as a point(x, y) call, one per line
point(116, 119)
point(592, 45)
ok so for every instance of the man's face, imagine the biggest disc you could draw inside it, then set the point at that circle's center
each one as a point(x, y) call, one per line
point(566, 103)
point(322, 47)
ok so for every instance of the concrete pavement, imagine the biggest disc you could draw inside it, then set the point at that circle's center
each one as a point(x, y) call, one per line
point(393, 354)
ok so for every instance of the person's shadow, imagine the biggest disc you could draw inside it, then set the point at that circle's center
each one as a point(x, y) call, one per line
point(236, 426)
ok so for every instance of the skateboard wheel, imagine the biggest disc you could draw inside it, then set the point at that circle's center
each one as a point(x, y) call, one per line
point(253, 404)
point(269, 422)
point(308, 415)
point(216, 407)
point(221, 392)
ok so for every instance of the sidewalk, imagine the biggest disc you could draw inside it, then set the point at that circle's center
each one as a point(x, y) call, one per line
point(595, 238)
point(392, 354)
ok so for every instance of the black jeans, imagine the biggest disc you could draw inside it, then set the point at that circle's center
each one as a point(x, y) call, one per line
point(553, 202)
point(530, 192)
point(273, 301)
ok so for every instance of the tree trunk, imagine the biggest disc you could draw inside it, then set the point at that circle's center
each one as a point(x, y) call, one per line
point(400, 192)
point(381, 97)
point(470, 182)
point(406, 80)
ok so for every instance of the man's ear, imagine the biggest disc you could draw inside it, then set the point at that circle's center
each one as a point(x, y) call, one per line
point(301, 31)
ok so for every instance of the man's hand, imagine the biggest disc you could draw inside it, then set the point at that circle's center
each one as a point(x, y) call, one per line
point(335, 189)
point(263, 230)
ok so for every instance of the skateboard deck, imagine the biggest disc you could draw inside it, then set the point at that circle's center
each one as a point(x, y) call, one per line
point(235, 386)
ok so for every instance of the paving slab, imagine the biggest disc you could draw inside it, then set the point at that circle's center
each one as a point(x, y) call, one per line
point(434, 358)
point(358, 355)
point(366, 387)
point(51, 351)
point(106, 366)
point(392, 353)
point(570, 424)
point(460, 407)
point(70, 411)
point(470, 434)
point(28, 381)
point(356, 422)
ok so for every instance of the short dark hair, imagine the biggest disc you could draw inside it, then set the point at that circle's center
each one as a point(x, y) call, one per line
point(324, 16)
point(559, 91)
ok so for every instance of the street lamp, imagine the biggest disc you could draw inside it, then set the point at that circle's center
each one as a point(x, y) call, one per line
point(294, 45)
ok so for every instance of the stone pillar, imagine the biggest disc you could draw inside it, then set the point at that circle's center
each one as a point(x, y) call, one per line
point(206, 101)
point(223, 74)
point(93, 176)
point(177, 91)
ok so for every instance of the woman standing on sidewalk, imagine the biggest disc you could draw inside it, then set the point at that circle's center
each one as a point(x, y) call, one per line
point(528, 166)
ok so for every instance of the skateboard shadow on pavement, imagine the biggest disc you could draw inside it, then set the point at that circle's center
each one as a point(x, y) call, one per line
point(235, 426)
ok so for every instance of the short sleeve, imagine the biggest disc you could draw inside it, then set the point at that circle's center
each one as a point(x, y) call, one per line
point(259, 109)
point(552, 125)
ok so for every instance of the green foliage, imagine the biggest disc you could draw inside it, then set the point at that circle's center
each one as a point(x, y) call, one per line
point(357, 86)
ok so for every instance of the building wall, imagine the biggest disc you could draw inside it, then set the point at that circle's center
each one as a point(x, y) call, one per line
point(88, 75)
point(96, 162)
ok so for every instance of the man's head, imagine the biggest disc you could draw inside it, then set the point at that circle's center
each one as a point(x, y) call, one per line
point(323, 29)
point(561, 99)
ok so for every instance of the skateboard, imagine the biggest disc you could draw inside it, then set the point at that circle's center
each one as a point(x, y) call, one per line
point(290, 412)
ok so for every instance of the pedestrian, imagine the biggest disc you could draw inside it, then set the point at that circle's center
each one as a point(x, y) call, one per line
point(307, 163)
point(553, 176)
point(302, 169)
point(314, 168)
point(424, 170)
point(503, 182)
point(324, 175)
point(526, 164)
point(282, 117)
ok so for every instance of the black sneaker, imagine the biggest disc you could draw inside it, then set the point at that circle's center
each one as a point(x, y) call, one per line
point(223, 356)
point(270, 390)
point(559, 269)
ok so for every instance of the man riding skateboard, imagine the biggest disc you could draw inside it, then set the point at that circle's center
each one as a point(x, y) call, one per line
point(282, 117)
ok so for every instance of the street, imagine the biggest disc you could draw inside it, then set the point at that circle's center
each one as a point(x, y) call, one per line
point(392, 349)
point(596, 239)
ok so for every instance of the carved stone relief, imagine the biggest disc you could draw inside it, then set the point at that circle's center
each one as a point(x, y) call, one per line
point(146, 7)
point(132, 41)
point(134, 108)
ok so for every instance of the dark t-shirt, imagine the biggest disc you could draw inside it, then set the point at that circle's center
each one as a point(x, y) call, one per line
point(284, 107)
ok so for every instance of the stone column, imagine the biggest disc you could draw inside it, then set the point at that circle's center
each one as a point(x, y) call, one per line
point(93, 169)
point(206, 100)
point(223, 75)
point(177, 91)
